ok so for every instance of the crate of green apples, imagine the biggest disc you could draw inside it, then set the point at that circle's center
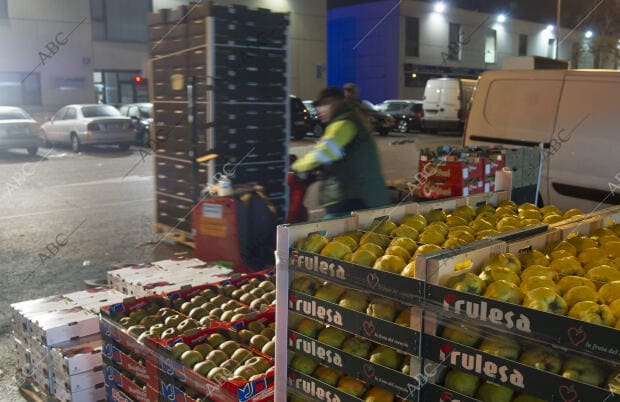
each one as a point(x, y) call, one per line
point(236, 363)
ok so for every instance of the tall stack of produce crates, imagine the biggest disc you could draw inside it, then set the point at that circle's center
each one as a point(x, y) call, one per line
point(445, 325)
point(236, 60)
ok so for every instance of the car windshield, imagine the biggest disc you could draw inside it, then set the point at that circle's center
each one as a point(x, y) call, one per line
point(14, 115)
point(100, 111)
point(367, 105)
point(146, 111)
point(310, 106)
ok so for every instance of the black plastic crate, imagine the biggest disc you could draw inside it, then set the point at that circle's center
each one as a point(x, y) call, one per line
point(244, 91)
point(158, 17)
point(242, 116)
point(250, 60)
point(174, 212)
point(173, 114)
point(168, 45)
point(255, 151)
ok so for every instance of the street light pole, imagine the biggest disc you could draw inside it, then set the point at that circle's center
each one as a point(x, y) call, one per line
point(557, 29)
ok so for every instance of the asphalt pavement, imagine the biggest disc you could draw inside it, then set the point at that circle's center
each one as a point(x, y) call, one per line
point(68, 217)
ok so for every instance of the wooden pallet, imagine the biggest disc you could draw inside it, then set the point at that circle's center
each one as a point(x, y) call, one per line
point(176, 235)
point(32, 393)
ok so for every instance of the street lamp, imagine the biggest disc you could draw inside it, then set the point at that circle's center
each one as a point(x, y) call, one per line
point(440, 7)
point(549, 28)
point(501, 18)
point(589, 34)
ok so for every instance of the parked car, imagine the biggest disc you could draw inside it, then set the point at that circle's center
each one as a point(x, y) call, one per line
point(381, 122)
point(315, 124)
point(18, 130)
point(299, 118)
point(141, 114)
point(412, 118)
point(407, 114)
point(96, 124)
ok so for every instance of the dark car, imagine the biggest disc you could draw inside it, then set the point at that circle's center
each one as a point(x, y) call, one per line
point(141, 114)
point(316, 125)
point(300, 117)
point(380, 121)
point(412, 118)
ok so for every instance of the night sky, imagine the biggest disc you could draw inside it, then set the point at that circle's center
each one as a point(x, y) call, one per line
point(543, 11)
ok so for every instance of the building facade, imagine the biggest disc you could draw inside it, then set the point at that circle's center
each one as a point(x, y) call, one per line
point(392, 48)
point(79, 51)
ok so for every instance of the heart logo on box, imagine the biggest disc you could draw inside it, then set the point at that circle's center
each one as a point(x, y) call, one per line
point(372, 280)
point(567, 393)
point(446, 349)
point(369, 328)
point(445, 396)
point(292, 375)
point(577, 336)
point(292, 337)
point(369, 371)
point(450, 298)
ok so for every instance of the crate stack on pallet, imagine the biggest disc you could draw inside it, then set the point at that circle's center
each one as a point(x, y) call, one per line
point(57, 345)
point(238, 59)
point(525, 316)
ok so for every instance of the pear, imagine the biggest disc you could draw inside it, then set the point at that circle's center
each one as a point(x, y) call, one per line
point(335, 249)
point(461, 382)
point(386, 356)
point(504, 291)
point(329, 292)
point(405, 231)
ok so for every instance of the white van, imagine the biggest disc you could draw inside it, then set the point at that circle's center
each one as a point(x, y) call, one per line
point(446, 101)
point(574, 113)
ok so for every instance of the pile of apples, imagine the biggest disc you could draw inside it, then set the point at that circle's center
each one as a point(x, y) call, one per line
point(377, 307)
point(578, 277)
point(575, 367)
point(345, 383)
point(231, 355)
point(213, 304)
point(354, 345)
point(392, 247)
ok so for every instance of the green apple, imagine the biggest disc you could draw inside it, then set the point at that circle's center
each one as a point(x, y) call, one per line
point(219, 374)
point(204, 367)
point(329, 292)
point(256, 326)
point(464, 334)
point(584, 370)
point(186, 324)
point(165, 312)
point(461, 382)
point(179, 348)
point(259, 363)
point(354, 300)
point(136, 330)
point(267, 286)
point(490, 392)
point(173, 320)
point(241, 355)
point(502, 346)
point(228, 347)
point(258, 341)
point(382, 308)
point(542, 358)
point(215, 339)
point(545, 299)
point(217, 356)
point(245, 335)
point(269, 349)
point(308, 327)
point(470, 283)
point(169, 333)
point(150, 320)
point(327, 375)
point(332, 336)
point(351, 386)
point(386, 356)
point(504, 291)
point(245, 371)
point(190, 357)
point(357, 346)
point(203, 348)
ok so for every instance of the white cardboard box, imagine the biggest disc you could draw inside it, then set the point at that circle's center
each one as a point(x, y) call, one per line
point(64, 325)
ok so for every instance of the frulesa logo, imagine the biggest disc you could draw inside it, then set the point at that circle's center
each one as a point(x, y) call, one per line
point(316, 310)
point(310, 388)
point(313, 263)
point(477, 364)
point(314, 349)
point(481, 311)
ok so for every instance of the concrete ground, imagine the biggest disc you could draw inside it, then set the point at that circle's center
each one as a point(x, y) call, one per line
point(67, 217)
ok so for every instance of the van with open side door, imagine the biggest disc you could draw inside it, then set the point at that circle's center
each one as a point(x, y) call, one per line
point(575, 114)
point(446, 102)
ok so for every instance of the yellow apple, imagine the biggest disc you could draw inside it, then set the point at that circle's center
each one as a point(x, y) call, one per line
point(571, 281)
point(538, 270)
point(567, 266)
point(579, 294)
point(534, 282)
point(504, 291)
point(545, 299)
point(610, 292)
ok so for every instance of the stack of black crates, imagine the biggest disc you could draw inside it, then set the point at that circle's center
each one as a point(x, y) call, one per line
point(237, 60)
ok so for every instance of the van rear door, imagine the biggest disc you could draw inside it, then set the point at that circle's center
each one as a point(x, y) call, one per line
point(583, 157)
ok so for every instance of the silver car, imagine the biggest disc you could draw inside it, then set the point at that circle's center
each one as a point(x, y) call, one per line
point(18, 130)
point(80, 125)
